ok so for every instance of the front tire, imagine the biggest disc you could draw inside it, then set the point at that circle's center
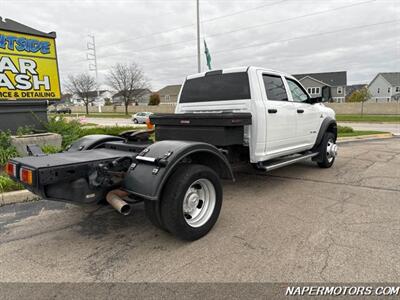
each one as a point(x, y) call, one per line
point(327, 150)
point(135, 121)
point(191, 201)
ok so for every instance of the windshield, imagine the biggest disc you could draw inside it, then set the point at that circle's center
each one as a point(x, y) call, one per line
point(216, 87)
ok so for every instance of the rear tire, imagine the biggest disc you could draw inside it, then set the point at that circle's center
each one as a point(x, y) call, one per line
point(152, 210)
point(191, 201)
point(135, 121)
point(327, 159)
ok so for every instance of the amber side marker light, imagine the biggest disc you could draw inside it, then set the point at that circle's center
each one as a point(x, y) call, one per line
point(11, 169)
point(25, 175)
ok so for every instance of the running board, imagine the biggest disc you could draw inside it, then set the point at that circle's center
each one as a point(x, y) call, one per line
point(280, 164)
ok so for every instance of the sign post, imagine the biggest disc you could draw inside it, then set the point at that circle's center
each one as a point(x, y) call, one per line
point(28, 75)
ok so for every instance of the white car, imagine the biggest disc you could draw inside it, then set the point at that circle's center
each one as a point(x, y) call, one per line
point(141, 117)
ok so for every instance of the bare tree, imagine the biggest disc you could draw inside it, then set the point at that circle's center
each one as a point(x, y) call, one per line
point(81, 85)
point(129, 81)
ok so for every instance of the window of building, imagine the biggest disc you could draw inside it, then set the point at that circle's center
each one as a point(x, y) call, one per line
point(275, 88)
point(167, 98)
point(339, 90)
point(397, 89)
point(378, 90)
point(388, 89)
point(313, 90)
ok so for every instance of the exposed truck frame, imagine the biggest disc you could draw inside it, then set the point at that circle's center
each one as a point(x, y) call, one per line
point(179, 176)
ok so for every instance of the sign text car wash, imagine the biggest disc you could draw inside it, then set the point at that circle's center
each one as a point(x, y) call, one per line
point(28, 67)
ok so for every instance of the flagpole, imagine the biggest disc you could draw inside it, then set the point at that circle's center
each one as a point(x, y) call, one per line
point(198, 37)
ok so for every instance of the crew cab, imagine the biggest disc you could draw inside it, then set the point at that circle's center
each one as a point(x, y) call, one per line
point(222, 117)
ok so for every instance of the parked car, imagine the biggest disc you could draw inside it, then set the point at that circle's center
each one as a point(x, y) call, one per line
point(61, 110)
point(259, 116)
point(141, 117)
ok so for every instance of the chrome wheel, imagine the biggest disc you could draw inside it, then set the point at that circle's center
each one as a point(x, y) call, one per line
point(199, 202)
point(331, 150)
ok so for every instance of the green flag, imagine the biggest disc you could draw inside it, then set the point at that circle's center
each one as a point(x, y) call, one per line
point(208, 56)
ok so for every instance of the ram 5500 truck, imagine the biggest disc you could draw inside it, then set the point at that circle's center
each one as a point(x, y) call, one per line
point(250, 114)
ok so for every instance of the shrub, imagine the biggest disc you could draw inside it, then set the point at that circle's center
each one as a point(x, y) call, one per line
point(23, 130)
point(154, 99)
point(8, 185)
point(345, 129)
point(7, 150)
point(69, 130)
point(50, 149)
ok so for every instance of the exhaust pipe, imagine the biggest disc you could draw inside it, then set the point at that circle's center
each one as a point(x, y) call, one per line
point(114, 197)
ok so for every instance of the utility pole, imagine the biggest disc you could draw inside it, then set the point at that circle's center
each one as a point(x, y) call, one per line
point(92, 58)
point(198, 37)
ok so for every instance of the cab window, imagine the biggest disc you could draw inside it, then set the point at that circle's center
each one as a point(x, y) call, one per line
point(275, 88)
point(297, 91)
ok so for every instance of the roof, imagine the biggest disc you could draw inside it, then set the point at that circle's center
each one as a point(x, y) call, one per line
point(11, 25)
point(170, 89)
point(392, 77)
point(330, 78)
point(137, 92)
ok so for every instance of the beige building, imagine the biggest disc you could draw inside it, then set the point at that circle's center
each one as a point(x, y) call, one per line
point(169, 94)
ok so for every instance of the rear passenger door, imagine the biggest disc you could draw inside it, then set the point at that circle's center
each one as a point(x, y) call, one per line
point(280, 115)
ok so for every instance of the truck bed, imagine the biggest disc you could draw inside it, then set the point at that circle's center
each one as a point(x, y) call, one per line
point(219, 129)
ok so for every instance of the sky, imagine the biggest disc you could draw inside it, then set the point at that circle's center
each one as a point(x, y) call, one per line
point(295, 36)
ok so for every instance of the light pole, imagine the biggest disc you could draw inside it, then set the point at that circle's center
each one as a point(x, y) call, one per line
point(198, 37)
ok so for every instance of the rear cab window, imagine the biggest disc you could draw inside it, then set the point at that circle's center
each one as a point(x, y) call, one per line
point(216, 87)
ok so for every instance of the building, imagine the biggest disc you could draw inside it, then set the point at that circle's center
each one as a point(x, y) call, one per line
point(139, 96)
point(94, 100)
point(169, 94)
point(385, 87)
point(333, 82)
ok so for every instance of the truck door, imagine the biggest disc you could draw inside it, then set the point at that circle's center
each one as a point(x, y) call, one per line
point(280, 115)
point(308, 116)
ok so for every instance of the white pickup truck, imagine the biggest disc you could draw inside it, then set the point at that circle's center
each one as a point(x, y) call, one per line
point(248, 114)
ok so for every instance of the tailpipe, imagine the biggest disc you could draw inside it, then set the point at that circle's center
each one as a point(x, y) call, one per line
point(114, 198)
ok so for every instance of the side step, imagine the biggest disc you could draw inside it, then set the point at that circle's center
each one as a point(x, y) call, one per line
point(282, 163)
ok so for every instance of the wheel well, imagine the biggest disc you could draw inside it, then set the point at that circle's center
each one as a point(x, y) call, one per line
point(212, 161)
point(333, 129)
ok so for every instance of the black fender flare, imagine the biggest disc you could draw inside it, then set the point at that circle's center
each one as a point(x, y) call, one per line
point(92, 141)
point(328, 124)
point(147, 179)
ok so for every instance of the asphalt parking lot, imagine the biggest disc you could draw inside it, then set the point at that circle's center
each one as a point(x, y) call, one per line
point(300, 223)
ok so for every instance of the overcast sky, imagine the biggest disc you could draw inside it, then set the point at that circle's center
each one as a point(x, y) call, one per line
point(361, 37)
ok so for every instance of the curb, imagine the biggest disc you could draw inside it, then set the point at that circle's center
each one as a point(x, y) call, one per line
point(365, 137)
point(17, 197)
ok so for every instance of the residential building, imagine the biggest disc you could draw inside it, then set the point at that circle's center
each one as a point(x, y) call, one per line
point(169, 94)
point(385, 87)
point(93, 98)
point(334, 83)
point(139, 96)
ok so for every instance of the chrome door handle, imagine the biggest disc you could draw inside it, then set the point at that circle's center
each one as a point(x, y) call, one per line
point(272, 111)
point(300, 111)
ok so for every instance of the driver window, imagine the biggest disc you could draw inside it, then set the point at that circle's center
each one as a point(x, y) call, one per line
point(297, 92)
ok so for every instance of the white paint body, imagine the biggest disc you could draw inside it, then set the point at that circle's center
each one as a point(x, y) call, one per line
point(270, 135)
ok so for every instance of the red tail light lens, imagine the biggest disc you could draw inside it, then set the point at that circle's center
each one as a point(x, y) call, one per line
point(25, 175)
point(11, 169)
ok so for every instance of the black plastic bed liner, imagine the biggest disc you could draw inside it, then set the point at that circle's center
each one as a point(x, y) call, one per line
point(219, 129)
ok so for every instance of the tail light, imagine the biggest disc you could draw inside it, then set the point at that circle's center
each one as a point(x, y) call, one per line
point(149, 124)
point(11, 169)
point(26, 176)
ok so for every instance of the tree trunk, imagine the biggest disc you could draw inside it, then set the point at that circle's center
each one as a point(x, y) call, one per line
point(87, 107)
point(126, 107)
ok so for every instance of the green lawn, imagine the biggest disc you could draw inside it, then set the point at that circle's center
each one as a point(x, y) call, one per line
point(359, 133)
point(369, 118)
